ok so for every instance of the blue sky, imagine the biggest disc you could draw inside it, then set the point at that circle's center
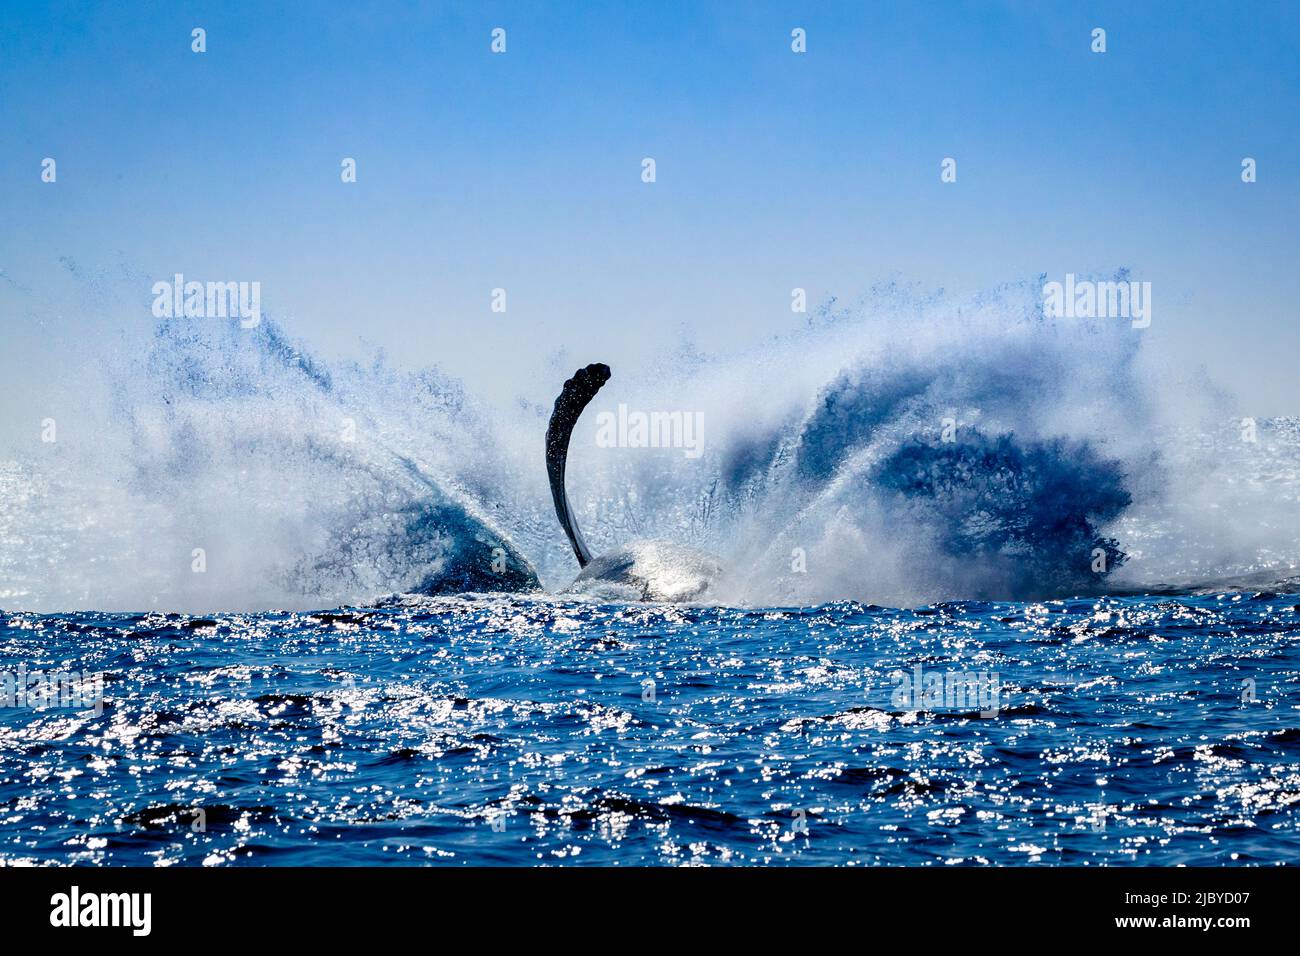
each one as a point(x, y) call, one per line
point(775, 170)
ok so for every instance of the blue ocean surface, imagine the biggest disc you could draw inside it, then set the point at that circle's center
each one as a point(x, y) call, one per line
point(967, 459)
point(495, 730)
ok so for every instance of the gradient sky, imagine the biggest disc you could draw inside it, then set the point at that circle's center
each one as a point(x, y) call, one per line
point(775, 170)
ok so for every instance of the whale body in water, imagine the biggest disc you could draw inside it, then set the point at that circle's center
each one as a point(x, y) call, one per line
point(643, 570)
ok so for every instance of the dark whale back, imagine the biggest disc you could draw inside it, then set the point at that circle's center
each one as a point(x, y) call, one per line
point(574, 397)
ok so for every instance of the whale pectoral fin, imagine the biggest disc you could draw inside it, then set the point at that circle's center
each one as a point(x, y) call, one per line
point(574, 397)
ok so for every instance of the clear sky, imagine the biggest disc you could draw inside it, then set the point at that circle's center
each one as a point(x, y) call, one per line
point(774, 169)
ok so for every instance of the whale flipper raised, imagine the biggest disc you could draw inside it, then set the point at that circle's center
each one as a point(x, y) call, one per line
point(638, 570)
point(574, 397)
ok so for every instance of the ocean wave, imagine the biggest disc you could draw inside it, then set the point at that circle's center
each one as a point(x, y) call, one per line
point(911, 449)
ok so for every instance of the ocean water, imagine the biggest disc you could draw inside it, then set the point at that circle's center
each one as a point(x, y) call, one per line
point(519, 730)
point(911, 488)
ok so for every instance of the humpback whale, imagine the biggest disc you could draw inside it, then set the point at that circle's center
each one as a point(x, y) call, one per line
point(645, 570)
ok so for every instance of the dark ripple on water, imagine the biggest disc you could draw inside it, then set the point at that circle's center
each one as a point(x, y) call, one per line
point(519, 731)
